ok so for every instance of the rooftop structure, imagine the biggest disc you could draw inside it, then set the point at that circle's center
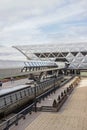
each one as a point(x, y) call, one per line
point(74, 53)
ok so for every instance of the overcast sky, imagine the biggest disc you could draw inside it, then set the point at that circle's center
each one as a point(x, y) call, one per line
point(24, 22)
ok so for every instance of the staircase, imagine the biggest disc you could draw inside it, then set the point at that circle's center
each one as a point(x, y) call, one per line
point(48, 109)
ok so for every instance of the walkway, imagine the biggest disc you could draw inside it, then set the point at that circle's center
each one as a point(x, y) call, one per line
point(14, 83)
point(72, 116)
point(49, 101)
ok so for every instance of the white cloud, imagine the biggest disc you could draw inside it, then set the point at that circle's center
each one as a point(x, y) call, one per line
point(9, 53)
point(21, 22)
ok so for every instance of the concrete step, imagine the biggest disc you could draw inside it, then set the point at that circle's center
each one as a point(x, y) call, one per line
point(48, 109)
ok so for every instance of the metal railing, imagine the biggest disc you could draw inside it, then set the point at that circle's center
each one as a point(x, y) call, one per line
point(22, 114)
point(14, 120)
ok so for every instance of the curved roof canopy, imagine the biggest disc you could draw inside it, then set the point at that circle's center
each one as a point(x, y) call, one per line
point(74, 53)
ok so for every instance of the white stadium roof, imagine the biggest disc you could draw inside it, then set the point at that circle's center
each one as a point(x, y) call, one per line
point(75, 53)
point(63, 47)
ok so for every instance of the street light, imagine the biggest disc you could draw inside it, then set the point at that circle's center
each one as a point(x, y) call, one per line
point(54, 82)
point(35, 97)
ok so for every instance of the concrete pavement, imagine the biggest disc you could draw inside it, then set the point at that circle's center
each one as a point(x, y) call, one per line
point(72, 116)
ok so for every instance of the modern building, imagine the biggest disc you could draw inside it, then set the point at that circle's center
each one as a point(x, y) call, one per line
point(74, 53)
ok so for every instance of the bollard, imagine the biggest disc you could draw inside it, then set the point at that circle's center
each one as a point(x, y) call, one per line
point(16, 123)
point(58, 98)
point(67, 89)
point(61, 94)
point(54, 103)
point(65, 92)
point(30, 112)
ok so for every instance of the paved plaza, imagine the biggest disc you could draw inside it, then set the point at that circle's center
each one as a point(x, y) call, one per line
point(72, 116)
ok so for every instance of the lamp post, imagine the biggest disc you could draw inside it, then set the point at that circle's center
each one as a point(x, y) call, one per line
point(54, 82)
point(35, 97)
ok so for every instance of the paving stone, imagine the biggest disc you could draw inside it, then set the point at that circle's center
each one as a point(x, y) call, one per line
point(72, 116)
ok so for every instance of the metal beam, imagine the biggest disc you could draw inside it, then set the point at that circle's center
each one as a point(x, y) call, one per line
point(22, 52)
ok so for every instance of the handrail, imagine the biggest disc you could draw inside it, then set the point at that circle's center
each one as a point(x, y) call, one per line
point(14, 120)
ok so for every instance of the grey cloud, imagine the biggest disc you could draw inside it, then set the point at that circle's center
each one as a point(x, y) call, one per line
point(21, 20)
